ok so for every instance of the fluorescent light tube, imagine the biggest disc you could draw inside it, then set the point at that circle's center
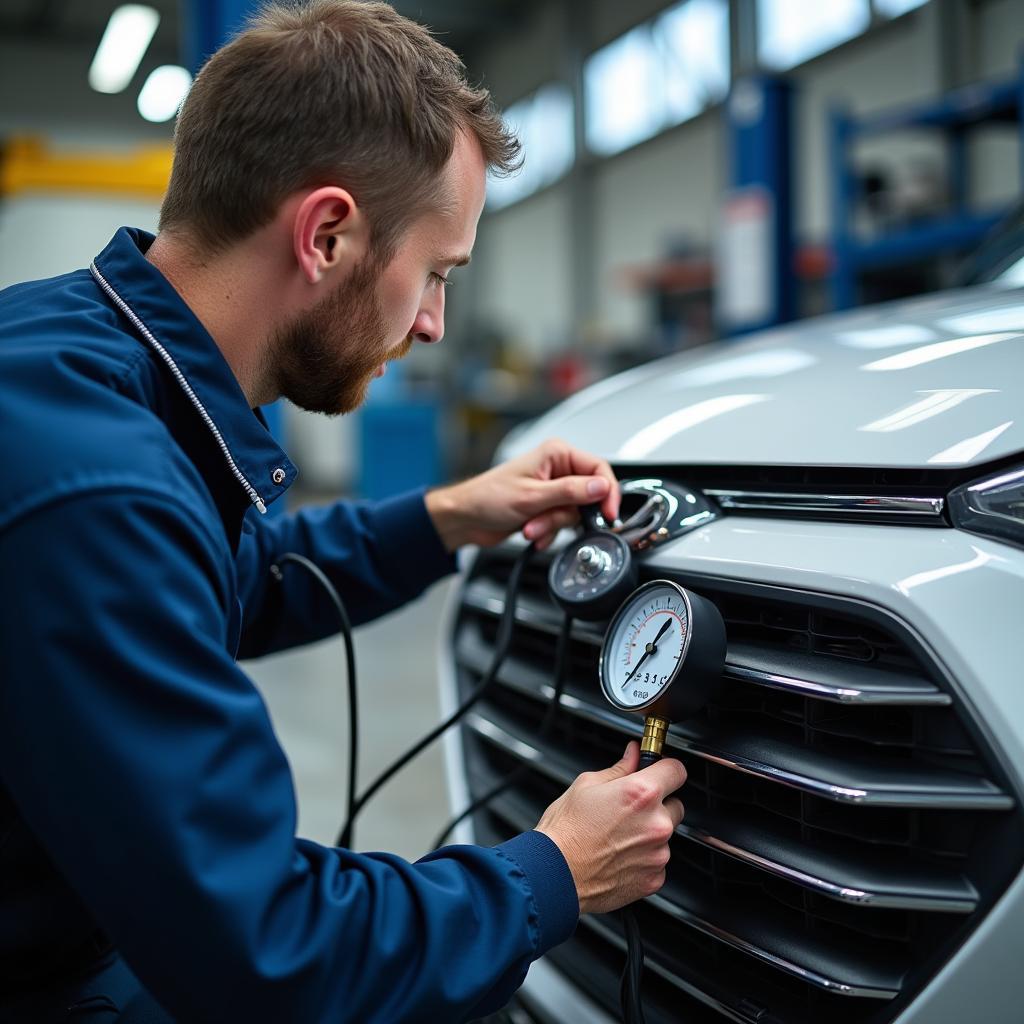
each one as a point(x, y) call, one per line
point(163, 92)
point(124, 43)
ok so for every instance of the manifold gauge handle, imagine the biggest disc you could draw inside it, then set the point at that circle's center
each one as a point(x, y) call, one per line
point(592, 575)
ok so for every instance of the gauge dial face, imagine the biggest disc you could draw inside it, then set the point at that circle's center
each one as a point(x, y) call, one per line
point(645, 645)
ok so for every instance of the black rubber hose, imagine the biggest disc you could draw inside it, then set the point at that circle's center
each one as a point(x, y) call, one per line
point(546, 725)
point(345, 837)
point(502, 645)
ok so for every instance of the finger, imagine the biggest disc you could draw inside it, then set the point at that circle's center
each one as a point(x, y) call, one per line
point(545, 542)
point(654, 882)
point(675, 810)
point(570, 490)
point(668, 775)
point(550, 522)
point(585, 463)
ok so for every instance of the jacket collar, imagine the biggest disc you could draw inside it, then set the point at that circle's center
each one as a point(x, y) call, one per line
point(161, 318)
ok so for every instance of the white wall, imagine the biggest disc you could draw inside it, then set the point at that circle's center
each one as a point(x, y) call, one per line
point(524, 278)
point(44, 234)
point(995, 163)
point(647, 199)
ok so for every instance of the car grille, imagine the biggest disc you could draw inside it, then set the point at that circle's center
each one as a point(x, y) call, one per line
point(844, 826)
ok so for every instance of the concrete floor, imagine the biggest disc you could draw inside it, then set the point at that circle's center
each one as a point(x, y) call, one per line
point(398, 694)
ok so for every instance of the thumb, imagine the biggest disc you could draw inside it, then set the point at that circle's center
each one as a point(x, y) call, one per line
point(626, 765)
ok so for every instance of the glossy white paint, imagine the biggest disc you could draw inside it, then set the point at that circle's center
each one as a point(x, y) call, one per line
point(981, 982)
point(928, 381)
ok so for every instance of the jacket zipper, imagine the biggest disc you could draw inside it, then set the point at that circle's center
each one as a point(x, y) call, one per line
point(183, 381)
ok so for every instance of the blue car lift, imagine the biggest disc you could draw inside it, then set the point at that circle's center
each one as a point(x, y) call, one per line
point(953, 116)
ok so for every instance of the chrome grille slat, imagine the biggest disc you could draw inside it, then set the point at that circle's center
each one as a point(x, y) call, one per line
point(827, 506)
point(611, 936)
point(864, 783)
point(744, 662)
point(942, 891)
point(750, 664)
point(879, 990)
point(842, 812)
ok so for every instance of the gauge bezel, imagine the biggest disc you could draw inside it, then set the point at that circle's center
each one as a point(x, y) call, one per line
point(627, 605)
point(600, 606)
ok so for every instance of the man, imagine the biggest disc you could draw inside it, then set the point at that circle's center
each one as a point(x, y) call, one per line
point(329, 174)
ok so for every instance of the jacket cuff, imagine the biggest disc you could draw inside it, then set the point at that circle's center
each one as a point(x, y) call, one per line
point(419, 557)
point(551, 883)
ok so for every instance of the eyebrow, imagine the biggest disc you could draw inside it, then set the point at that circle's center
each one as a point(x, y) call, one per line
point(454, 261)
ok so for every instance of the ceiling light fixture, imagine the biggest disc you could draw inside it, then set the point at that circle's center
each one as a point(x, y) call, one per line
point(163, 92)
point(124, 43)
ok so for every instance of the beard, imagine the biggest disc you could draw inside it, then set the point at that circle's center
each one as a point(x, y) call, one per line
point(325, 360)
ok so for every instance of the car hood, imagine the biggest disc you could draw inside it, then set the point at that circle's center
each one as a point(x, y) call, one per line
point(935, 382)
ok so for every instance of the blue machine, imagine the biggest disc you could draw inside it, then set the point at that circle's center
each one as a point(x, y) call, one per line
point(208, 24)
point(757, 283)
point(953, 116)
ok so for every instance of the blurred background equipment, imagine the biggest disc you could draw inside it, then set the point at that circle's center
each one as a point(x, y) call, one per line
point(693, 170)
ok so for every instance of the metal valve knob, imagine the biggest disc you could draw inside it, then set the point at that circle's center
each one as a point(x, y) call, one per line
point(592, 561)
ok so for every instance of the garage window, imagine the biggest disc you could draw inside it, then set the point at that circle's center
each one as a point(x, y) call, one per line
point(657, 75)
point(792, 31)
point(544, 123)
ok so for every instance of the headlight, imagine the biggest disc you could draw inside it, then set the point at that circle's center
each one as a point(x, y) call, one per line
point(993, 506)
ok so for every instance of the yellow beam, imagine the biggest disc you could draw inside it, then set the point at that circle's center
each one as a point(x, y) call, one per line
point(27, 164)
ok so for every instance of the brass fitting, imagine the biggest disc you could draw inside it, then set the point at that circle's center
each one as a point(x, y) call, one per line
point(655, 730)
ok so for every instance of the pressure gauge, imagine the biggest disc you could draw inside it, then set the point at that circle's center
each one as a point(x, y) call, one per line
point(662, 656)
point(592, 575)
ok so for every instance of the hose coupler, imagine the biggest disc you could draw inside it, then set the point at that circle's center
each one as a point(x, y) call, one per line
point(655, 730)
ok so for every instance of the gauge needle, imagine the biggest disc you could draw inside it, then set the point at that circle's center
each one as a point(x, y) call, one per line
point(651, 648)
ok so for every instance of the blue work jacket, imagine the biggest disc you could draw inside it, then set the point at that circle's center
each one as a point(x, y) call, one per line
point(143, 794)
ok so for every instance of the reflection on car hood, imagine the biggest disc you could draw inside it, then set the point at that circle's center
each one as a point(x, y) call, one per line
point(931, 382)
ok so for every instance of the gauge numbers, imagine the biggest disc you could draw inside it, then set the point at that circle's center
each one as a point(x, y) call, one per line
point(645, 645)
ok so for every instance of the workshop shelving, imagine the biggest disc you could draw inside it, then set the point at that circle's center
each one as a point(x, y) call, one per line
point(953, 116)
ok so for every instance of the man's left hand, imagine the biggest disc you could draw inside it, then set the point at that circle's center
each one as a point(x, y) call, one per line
point(539, 493)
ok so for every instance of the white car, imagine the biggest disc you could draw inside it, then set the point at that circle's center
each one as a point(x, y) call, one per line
point(854, 830)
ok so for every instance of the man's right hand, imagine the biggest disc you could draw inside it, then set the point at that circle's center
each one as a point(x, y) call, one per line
point(613, 829)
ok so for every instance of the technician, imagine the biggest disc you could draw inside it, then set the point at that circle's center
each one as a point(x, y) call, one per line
point(329, 174)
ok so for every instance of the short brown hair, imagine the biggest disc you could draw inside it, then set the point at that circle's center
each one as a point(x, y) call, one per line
point(331, 92)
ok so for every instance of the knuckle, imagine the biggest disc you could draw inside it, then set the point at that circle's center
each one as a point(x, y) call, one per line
point(659, 832)
point(653, 882)
point(639, 793)
point(676, 773)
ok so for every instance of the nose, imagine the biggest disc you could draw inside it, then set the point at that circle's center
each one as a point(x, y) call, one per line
point(428, 326)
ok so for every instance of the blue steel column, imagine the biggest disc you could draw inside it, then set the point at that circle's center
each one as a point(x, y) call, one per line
point(1020, 113)
point(844, 267)
point(208, 24)
point(761, 152)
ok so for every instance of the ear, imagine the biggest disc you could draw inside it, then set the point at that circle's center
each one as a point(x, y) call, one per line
point(329, 233)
